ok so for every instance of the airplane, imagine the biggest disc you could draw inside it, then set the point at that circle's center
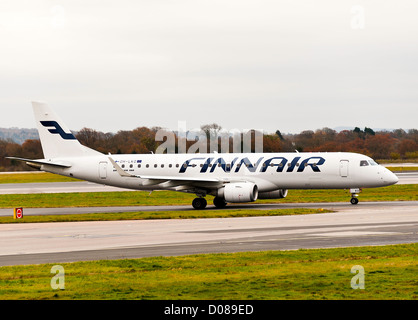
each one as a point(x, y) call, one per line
point(229, 177)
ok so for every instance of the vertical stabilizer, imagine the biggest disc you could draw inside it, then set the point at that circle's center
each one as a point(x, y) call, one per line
point(56, 139)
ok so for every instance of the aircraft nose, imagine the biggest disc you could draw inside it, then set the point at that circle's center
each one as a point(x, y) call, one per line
point(389, 177)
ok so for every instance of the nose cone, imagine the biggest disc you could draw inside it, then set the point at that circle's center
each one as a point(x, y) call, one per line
point(389, 177)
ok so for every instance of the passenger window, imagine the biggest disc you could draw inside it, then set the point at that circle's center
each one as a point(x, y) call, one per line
point(363, 163)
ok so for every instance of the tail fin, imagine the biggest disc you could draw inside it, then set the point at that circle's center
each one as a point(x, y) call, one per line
point(56, 139)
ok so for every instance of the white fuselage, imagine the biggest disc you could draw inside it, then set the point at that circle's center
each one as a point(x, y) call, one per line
point(269, 171)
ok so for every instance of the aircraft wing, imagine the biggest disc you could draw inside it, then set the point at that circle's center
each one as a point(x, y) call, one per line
point(171, 181)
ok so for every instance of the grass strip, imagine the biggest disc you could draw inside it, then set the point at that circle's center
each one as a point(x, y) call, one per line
point(390, 273)
point(402, 169)
point(147, 215)
point(406, 192)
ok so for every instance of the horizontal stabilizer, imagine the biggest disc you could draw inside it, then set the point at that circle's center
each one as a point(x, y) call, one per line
point(61, 164)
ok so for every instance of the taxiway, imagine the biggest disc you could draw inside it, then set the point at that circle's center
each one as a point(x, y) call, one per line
point(366, 224)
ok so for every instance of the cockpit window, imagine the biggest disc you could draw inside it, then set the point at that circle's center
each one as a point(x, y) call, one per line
point(363, 163)
point(373, 163)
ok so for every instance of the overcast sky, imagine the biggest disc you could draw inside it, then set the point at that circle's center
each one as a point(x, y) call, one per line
point(289, 65)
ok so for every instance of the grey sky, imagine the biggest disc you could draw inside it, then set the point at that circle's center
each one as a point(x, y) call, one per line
point(288, 65)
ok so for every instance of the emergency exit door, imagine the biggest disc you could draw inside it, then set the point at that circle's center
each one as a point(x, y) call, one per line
point(344, 168)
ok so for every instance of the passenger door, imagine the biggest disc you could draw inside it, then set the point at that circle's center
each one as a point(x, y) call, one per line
point(344, 168)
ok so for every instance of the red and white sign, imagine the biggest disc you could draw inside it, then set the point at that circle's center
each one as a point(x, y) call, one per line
point(18, 213)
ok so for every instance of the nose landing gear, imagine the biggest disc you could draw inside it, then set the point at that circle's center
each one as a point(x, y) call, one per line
point(354, 200)
point(354, 195)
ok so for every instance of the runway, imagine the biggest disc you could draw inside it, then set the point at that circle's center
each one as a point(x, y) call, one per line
point(365, 224)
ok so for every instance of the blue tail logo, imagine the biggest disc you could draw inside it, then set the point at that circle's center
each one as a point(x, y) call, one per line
point(58, 130)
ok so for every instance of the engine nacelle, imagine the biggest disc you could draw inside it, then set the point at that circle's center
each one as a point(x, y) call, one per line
point(278, 194)
point(239, 192)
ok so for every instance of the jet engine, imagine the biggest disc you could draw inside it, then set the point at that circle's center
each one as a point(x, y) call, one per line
point(239, 192)
point(278, 194)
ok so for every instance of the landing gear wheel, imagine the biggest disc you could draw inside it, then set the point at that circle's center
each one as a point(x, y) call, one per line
point(354, 200)
point(219, 203)
point(354, 193)
point(199, 203)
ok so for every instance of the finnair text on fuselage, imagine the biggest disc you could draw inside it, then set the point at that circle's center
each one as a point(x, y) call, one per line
point(211, 164)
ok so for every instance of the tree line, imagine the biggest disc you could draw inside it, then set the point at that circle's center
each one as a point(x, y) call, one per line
point(381, 145)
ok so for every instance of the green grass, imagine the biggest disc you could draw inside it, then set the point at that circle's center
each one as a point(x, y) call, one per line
point(390, 273)
point(141, 198)
point(96, 199)
point(147, 215)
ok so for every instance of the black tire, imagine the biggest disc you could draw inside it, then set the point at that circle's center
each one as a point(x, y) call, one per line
point(199, 203)
point(219, 203)
point(354, 200)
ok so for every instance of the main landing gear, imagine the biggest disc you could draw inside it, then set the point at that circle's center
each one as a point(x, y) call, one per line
point(354, 195)
point(200, 203)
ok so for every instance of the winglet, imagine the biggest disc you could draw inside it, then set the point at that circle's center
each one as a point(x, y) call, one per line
point(121, 172)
